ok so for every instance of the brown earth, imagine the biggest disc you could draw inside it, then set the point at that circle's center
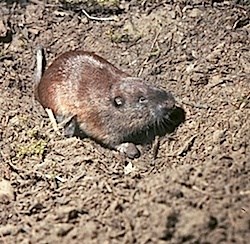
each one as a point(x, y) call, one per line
point(196, 189)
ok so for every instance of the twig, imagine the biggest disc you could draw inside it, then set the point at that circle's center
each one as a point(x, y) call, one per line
point(184, 149)
point(155, 147)
point(212, 195)
point(196, 105)
point(151, 49)
point(52, 120)
point(97, 18)
point(247, 192)
point(14, 168)
point(38, 2)
point(193, 104)
point(60, 179)
point(39, 65)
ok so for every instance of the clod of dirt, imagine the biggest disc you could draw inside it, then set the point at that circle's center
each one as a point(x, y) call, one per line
point(3, 29)
point(129, 168)
point(63, 229)
point(193, 220)
point(7, 230)
point(66, 214)
point(5, 32)
point(6, 191)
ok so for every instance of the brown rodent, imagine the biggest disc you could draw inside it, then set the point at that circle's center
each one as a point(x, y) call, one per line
point(106, 103)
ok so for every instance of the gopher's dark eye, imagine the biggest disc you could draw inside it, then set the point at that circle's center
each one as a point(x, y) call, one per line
point(118, 101)
point(142, 99)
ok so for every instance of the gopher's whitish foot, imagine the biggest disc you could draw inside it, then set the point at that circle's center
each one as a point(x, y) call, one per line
point(129, 149)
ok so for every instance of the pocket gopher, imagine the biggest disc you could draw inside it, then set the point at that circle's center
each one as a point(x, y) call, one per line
point(107, 104)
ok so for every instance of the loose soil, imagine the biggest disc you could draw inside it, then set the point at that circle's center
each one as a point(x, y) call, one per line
point(189, 186)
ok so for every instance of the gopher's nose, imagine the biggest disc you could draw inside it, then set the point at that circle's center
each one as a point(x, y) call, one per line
point(163, 109)
point(170, 101)
point(166, 103)
point(165, 98)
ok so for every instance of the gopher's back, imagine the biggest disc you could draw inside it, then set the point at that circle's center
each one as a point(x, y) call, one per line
point(74, 79)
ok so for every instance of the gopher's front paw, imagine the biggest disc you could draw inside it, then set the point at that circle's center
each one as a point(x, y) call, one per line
point(129, 149)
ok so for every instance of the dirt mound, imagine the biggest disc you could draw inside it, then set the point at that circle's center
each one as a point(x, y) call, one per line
point(193, 187)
